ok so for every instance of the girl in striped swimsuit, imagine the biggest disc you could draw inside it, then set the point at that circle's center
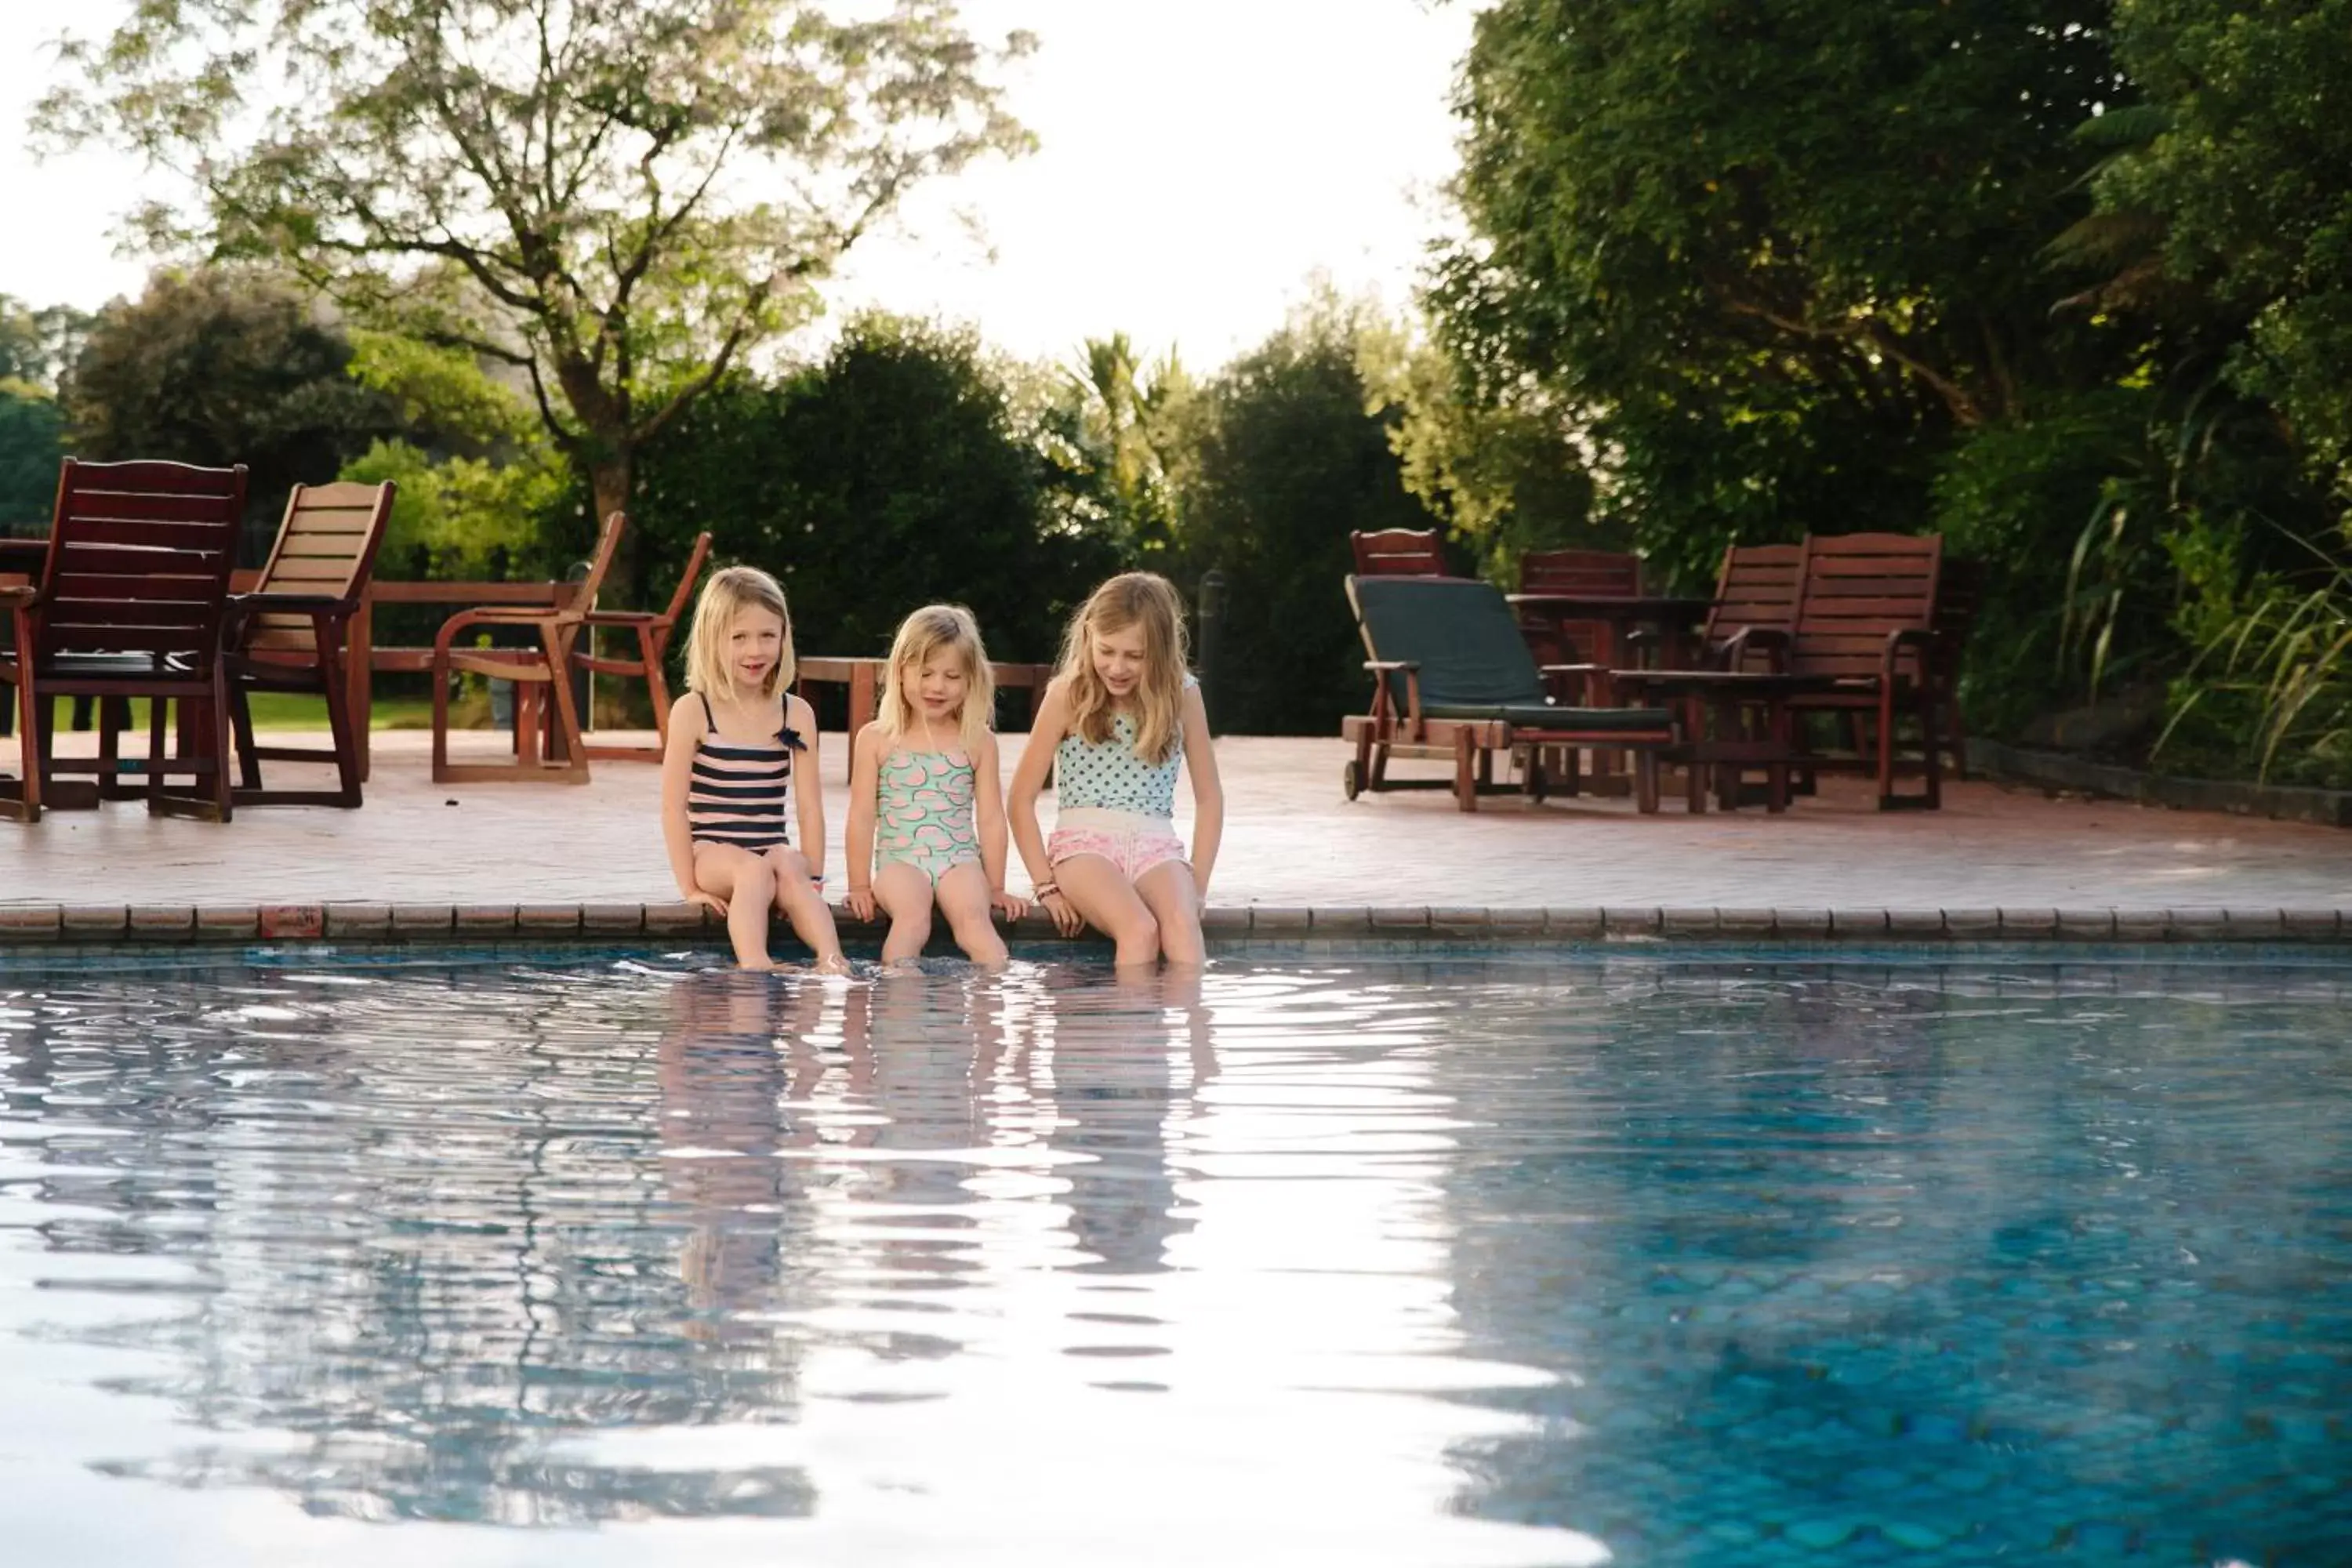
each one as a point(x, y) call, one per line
point(736, 737)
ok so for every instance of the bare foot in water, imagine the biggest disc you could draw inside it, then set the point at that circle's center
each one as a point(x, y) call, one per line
point(837, 964)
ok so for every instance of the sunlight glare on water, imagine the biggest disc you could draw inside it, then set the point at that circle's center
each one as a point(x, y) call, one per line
point(1461, 1260)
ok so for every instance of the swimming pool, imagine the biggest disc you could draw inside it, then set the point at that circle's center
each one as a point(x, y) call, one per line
point(1518, 1257)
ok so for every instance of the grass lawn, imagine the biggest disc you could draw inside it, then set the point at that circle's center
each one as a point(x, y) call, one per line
point(291, 710)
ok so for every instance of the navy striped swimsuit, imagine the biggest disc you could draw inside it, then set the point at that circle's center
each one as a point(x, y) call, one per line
point(737, 793)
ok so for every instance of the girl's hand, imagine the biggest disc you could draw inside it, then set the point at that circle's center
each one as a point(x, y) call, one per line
point(710, 901)
point(861, 902)
point(1066, 919)
point(1010, 906)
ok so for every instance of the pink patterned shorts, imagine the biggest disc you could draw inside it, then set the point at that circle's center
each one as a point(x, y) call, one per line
point(1133, 843)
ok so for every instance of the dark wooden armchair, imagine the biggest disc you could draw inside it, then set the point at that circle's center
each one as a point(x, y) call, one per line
point(653, 630)
point(291, 632)
point(545, 668)
point(1398, 552)
point(129, 604)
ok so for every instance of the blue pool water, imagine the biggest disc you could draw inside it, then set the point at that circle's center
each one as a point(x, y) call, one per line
point(1513, 1259)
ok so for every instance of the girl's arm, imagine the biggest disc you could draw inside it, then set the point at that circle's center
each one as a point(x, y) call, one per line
point(987, 807)
point(685, 731)
point(857, 836)
point(1208, 790)
point(1029, 781)
point(808, 793)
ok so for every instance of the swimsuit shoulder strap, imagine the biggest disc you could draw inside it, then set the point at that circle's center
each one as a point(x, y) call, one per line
point(709, 719)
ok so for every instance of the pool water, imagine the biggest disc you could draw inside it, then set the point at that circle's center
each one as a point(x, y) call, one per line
point(1504, 1259)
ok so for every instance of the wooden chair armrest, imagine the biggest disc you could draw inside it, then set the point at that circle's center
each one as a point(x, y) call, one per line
point(1918, 639)
point(490, 615)
point(1775, 642)
point(19, 599)
point(621, 617)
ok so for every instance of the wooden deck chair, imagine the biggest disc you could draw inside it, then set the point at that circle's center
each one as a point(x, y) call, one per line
point(292, 631)
point(547, 667)
point(1556, 641)
point(653, 629)
point(1756, 592)
point(1867, 617)
point(1398, 552)
point(1452, 678)
point(129, 604)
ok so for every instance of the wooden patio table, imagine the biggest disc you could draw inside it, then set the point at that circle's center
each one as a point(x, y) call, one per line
point(863, 679)
point(1723, 748)
point(1671, 616)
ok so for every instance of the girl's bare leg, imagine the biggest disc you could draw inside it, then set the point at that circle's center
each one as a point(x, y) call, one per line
point(804, 906)
point(1111, 906)
point(748, 883)
point(904, 895)
point(963, 898)
point(1168, 892)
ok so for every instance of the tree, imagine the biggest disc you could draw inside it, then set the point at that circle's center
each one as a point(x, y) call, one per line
point(1775, 254)
point(2244, 176)
point(618, 198)
point(224, 366)
point(35, 344)
point(1293, 456)
point(891, 475)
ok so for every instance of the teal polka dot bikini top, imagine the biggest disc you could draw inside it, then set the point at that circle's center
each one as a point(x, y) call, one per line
point(1107, 776)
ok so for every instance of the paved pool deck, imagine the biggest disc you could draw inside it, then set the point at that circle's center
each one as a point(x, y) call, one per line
point(1997, 860)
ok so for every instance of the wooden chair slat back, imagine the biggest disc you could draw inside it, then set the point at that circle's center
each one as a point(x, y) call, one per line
point(686, 581)
point(139, 561)
point(1398, 552)
point(1580, 572)
point(1858, 589)
point(326, 546)
point(607, 542)
point(1758, 587)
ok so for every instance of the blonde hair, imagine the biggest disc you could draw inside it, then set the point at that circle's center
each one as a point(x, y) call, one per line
point(1142, 599)
point(927, 632)
point(730, 592)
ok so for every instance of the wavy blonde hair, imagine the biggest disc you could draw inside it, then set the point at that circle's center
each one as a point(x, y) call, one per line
point(730, 592)
point(1142, 599)
point(922, 637)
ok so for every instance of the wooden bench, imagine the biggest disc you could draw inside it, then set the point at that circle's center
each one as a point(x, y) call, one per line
point(863, 677)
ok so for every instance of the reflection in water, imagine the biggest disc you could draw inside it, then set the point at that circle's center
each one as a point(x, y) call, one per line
point(1478, 1260)
point(1144, 1269)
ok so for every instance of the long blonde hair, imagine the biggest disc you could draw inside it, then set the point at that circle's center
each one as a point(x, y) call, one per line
point(1142, 599)
point(729, 592)
point(921, 637)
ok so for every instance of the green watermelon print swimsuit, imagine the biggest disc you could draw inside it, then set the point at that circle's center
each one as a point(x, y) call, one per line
point(922, 812)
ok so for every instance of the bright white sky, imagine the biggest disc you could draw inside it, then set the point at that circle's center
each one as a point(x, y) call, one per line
point(1201, 161)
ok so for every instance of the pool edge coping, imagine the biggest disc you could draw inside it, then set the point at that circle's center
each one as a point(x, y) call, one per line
point(36, 924)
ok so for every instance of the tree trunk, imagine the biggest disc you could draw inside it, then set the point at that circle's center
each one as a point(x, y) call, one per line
point(609, 479)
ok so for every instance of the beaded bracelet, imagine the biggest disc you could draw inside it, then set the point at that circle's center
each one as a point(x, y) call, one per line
point(1045, 888)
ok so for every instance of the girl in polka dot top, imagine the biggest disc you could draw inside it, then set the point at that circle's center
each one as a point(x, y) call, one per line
point(1120, 718)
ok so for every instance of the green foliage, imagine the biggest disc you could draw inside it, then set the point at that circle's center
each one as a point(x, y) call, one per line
point(618, 200)
point(1506, 476)
point(37, 344)
point(2247, 180)
point(32, 440)
point(224, 366)
point(463, 518)
point(892, 475)
point(1289, 462)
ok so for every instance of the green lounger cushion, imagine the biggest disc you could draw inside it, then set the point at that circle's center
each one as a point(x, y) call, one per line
point(1544, 716)
point(1473, 662)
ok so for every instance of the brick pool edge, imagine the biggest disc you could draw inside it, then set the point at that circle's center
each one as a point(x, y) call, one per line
point(31, 924)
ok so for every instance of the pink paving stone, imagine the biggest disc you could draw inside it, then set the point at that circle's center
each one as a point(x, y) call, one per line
point(1459, 920)
point(1223, 919)
point(614, 919)
point(2088, 925)
point(1688, 922)
point(1801, 923)
point(1281, 917)
point(675, 919)
point(483, 920)
point(2142, 925)
point(1973, 925)
point(1858, 924)
point(1575, 923)
point(1618, 921)
point(423, 917)
point(1393, 918)
point(290, 922)
point(1757, 923)
point(547, 919)
point(2200, 925)
point(2310, 924)
point(1290, 841)
point(1516, 922)
point(2029, 923)
point(1914, 922)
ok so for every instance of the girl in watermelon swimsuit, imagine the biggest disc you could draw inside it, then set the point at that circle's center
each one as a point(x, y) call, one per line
point(926, 804)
